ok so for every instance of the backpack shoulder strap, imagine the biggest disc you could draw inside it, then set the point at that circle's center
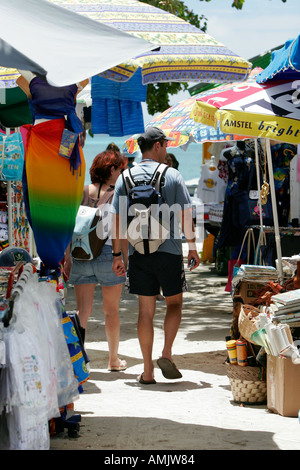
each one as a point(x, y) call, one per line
point(128, 180)
point(157, 180)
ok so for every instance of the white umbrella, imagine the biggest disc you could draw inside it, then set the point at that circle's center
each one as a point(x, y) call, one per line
point(66, 47)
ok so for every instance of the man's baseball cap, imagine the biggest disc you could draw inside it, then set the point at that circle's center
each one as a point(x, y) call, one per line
point(153, 134)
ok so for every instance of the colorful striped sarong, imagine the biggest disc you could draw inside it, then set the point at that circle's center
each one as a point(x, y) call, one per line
point(52, 190)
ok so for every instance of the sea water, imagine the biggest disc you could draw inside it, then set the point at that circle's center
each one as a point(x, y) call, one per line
point(190, 160)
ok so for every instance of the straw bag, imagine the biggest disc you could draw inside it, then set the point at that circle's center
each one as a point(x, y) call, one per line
point(248, 384)
point(246, 323)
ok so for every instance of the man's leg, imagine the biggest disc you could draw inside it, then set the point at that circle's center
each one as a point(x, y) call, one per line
point(172, 323)
point(146, 332)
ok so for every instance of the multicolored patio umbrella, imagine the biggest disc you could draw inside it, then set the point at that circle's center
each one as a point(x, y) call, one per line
point(177, 123)
point(184, 53)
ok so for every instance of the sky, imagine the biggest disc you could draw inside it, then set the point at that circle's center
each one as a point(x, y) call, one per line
point(260, 26)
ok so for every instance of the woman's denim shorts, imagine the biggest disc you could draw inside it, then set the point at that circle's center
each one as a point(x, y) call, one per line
point(97, 271)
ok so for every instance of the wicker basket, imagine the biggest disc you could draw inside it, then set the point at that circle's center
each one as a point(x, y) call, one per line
point(248, 384)
point(246, 321)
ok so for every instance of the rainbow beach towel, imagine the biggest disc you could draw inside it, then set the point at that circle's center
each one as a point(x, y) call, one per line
point(52, 190)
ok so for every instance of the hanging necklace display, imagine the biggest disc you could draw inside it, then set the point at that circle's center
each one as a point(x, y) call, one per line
point(265, 189)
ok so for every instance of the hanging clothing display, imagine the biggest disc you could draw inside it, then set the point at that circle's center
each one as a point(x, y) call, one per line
point(117, 107)
point(282, 155)
point(223, 166)
point(52, 184)
point(20, 221)
point(211, 188)
point(38, 377)
point(241, 172)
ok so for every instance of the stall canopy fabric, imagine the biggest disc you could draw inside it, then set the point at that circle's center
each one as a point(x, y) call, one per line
point(57, 43)
point(183, 52)
point(285, 63)
point(270, 110)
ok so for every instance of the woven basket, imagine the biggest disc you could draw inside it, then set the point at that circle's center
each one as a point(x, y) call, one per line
point(247, 384)
point(246, 324)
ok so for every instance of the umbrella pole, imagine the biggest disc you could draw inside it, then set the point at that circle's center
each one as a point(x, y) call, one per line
point(274, 208)
point(259, 200)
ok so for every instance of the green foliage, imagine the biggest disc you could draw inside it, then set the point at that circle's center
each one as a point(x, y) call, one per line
point(238, 4)
point(158, 93)
point(178, 8)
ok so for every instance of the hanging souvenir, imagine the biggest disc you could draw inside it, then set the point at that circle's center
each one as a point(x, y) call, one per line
point(11, 157)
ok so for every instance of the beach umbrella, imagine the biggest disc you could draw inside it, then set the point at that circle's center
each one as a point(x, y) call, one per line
point(270, 111)
point(285, 63)
point(178, 123)
point(65, 47)
point(8, 77)
point(183, 52)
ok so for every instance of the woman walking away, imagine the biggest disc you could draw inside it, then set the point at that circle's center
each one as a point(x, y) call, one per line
point(84, 275)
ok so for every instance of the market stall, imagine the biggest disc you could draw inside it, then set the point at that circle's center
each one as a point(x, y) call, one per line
point(263, 356)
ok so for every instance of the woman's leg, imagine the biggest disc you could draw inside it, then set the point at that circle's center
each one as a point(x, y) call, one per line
point(111, 301)
point(84, 294)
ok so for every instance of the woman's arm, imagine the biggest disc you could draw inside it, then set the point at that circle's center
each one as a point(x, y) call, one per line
point(24, 85)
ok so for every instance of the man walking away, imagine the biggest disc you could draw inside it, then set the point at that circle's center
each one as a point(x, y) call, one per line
point(162, 268)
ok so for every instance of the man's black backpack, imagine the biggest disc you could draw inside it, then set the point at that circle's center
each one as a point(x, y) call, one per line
point(148, 221)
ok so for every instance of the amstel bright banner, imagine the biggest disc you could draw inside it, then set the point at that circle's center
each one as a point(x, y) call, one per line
point(269, 110)
point(258, 125)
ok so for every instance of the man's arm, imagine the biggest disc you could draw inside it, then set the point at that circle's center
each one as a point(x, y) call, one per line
point(188, 229)
point(117, 245)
